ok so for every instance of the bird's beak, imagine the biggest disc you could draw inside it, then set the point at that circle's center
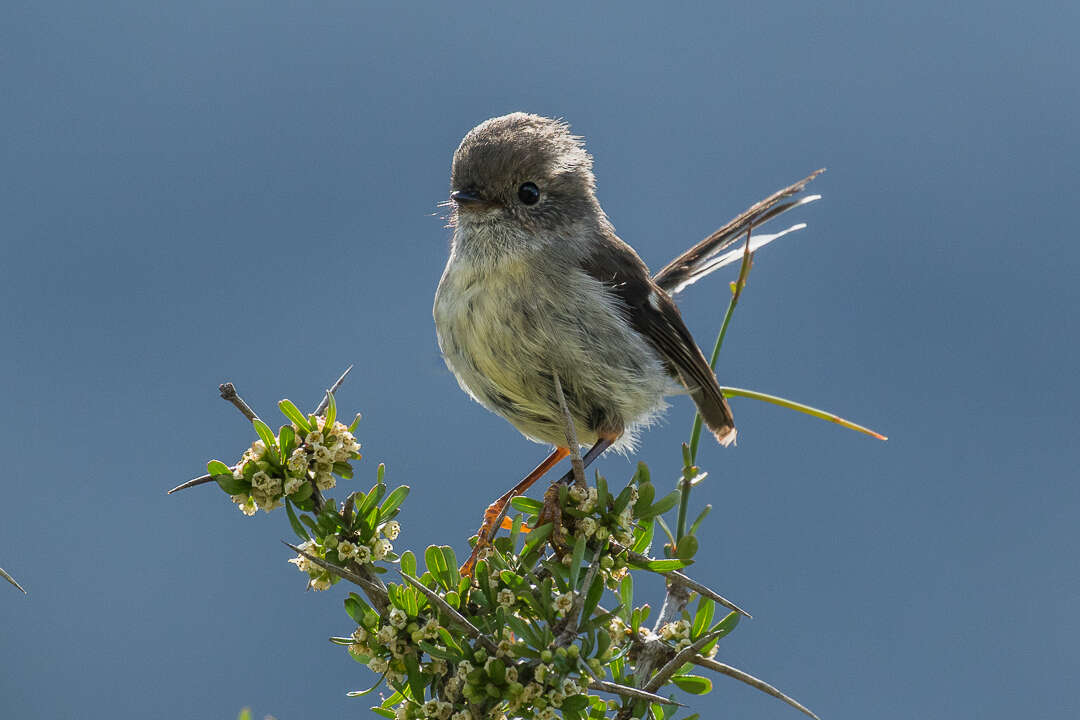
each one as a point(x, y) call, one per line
point(464, 198)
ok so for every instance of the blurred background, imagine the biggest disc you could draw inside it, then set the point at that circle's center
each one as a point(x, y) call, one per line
point(208, 191)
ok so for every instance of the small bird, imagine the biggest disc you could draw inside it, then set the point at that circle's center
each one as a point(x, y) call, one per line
point(539, 286)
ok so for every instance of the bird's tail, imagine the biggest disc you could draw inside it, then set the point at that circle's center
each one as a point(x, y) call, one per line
point(705, 257)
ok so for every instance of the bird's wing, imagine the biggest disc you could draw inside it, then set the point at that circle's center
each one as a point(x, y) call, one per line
point(653, 314)
point(703, 258)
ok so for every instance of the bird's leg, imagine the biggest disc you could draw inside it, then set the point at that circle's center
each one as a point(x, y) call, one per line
point(495, 511)
point(552, 512)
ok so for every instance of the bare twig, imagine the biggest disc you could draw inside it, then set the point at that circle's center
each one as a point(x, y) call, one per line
point(201, 480)
point(631, 692)
point(681, 658)
point(372, 587)
point(571, 434)
point(752, 682)
point(228, 392)
point(680, 577)
point(11, 580)
point(333, 389)
point(456, 617)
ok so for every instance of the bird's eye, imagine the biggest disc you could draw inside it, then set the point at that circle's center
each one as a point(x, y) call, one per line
point(529, 194)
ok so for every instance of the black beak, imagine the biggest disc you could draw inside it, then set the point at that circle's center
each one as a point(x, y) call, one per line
point(466, 197)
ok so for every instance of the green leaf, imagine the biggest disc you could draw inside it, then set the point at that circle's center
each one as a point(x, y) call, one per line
point(416, 684)
point(592, 598)
point(393, 502)
point(687, 548)
point(434, 651)
point(331, 411)
point(287, 438)
point(643, 537)
point(663, 505)
point(233, 485)
point(626, 596)
point(357, 608)
point(724, 627)
point(575, 703)
point(388, 714)
point(601, 492)
point(662, 566)
point(355, 423)
point(646, 494)
point(362, 693)
point(371, 499)
point(526, 505)
point(799, 407)
point(265, 434)
point(575, 561)
point(216, 467)
point(641, 475)
point(693, 684)
point(408, 563)
point(436, 563)
point(623, 500)
point(536, 538)
point(343, 470)
point(702, 617)
point(450, 559)
point(303, 493)
point(704, 514)
point(293, 414)
point(295, 521)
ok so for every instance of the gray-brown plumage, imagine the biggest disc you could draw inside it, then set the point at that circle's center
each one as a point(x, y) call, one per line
point(537, 281)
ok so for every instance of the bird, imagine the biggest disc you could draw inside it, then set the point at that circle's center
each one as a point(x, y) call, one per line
point(541, 298)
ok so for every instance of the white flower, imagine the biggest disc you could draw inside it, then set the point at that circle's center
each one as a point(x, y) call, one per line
point(602, 533)
point(617, 628)
point(391, 529)
point(504, 648)
point(322, 454)
point(437, 667)
point(360, 634)
point(682, 628)
point(431, 629)
point(346, 550)
point(569, 686)
point(320, 583)
point(302, 563)
point(248, 506)
point(531, 691)
point(668, 632)
point(257, 449)
point(445, 708)
point(461, 715)
point(386, 634)
point(505, 597)
point(381, 548)
point(378, 665)
point(578, 493)
point(402, 711)
point(511, 674)
point(325, 481)
point(431, 707)
point(587, 526)
point(292, 484)
point(541, 672)
point(260, 481)
point(298, 462)
point(547, 713)
point(464, 668)
point(363, 554)
point(398, 618)
point(564, 602)
point(313, 438)
point(556, 698)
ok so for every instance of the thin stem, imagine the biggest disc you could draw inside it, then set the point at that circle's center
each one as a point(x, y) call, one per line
point(752, 681)
point(571, 433)
point(695, 431)
point(333, 389)
point(228, 392)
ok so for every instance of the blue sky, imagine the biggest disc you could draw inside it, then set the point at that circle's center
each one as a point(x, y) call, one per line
point(209, 191)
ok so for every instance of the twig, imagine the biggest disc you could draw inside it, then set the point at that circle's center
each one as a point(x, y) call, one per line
point(631, 692)
point(11, 580)
point(374, 589)
point(325, 402)
point(752, 682)
point(201, 480)
point(681, 658)
point(680, 577)
point(433, 597)
point(228, 392)
point(573, 618)
point(571, 434)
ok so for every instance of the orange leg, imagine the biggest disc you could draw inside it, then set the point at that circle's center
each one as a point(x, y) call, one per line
point(495, 511)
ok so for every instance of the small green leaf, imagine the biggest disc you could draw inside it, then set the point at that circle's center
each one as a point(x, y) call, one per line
point(436, 563)
point(643, 537)
point(662, 566)
point(702, 617)
point(434, 651)
point(724, 627)
point(293, 414)
point(295, 521)
point(233, 485)
point(641, 475)
point(357, 608)
point(343, 470)
point(302, 494)
point(575, 561)
point(663, 505)
point(693, 684)
point(265, 434)
point(355, 423)
point(362, 693)
point(393, 502)
point(592, 598)
point(450, 559)
point(687, 548)
point(216, 467)
point(626, 596)
point(646, 493)
point(287, 440)
point(575, 703)
point(408, 563)
point(388, 714)
point(527, 505)
point(416, 683)
point(704, 514)
point(331, 411)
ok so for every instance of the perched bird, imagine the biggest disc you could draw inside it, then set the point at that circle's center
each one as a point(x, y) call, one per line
point(538, 285)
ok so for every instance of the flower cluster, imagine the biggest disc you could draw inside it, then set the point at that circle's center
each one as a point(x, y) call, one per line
point(344, 548)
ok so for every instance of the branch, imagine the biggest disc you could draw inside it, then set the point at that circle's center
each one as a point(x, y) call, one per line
point(333, 389)
point(681, 658)
point(679, 577)
point(228, 392)
point(631, 692)
point(433, 597)
point(372, 587)
point(752, 682)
